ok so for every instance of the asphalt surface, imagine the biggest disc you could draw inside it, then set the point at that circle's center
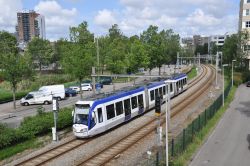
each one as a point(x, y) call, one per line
point(229, 143)
point(13, 117)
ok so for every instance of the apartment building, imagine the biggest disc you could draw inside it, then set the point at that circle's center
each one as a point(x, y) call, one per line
point(30, 24)
point(244, 22)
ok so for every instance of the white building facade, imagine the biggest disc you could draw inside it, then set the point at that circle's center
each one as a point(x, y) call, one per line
point(244, 23)
point(41, 25)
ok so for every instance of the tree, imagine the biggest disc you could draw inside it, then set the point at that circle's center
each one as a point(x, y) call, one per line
point(78, 54)
point(150, 38)
point(103, 42)
point(8, 45)
point(58, 52)
point(41, 51)
point(15, 67)
point(230, 48)
point(162, 47)
point(116, 58)
point(213, 48)
point(138, 57)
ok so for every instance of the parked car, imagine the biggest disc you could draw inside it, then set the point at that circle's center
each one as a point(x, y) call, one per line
point(57, 91)
point(248, 84)
point(36, 98)
point(75, 88)
point(97, 84)
point(105, 80)
point(70, 92)
point(87, 86)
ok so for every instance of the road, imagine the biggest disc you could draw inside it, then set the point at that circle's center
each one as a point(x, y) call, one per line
point(229, 144)
point(13, 118)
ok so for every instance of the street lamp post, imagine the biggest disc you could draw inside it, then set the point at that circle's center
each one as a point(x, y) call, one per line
point(233, 72)
point(167, 113)
point(223, 95)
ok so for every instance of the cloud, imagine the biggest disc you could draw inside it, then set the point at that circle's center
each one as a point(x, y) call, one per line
point(57, 19)
point(186, 17)
point(198, 17)
point(8, 14)
point(105, 18)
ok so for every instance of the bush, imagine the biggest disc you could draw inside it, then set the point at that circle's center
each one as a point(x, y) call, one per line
point(6, 96)
point(34, 126)
point(246, 76)
point(11, 136)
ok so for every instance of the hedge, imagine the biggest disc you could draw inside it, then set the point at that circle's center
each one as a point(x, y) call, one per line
point(34, 126)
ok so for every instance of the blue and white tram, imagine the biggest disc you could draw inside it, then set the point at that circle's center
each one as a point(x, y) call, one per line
point(178, 84)
point(103, 112)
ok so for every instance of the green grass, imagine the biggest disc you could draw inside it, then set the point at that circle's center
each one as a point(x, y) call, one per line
point(11, 151)
point(203, 134)
point(123, 79)
point(192, 73)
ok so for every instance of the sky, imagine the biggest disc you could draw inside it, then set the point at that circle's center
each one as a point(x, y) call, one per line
point(185, 17)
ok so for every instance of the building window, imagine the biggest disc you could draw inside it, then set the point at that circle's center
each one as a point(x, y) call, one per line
point(247, 12)
point(247, 24)
point(246, 47)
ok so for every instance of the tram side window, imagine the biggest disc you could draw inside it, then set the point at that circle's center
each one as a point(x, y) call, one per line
point(140, 101)
point(110, 109)
point(185, 80)
point(171, 87)
point(152, 95)
point(127, 107)
point(100, 118)
point(119, 108)
point(134, 102)
point(156, 92)
point(160, 91)
point(164, 90)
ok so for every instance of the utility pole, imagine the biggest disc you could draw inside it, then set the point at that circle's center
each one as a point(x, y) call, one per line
point(159, 128)
point(216, 67)
point(55, 112)
point(167, 113)
point(93, 79)
point(177, 65)
point(98, 57)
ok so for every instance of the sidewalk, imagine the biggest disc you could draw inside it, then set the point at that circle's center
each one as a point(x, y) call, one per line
point(229, 143)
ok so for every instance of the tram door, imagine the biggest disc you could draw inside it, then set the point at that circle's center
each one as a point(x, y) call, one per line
point(127, 109)
point(177, 87)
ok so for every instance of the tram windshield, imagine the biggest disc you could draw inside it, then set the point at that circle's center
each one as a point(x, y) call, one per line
point(81, 114)
point(81, 119)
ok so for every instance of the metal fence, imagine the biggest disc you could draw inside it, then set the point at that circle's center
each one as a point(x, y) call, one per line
point(179, 144)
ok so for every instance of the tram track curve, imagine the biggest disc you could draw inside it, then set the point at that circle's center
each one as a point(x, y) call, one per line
point(55, 152)
point(105, 155)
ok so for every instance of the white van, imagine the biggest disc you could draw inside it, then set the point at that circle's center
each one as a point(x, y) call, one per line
point(57, 91)
point(36, 98)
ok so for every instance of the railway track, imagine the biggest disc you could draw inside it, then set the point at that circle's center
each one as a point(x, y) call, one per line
point(53, 153)
point(106, 154)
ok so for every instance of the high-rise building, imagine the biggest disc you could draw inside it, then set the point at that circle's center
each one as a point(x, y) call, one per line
point(41, 25)
point(244, 23)
point(30, 24)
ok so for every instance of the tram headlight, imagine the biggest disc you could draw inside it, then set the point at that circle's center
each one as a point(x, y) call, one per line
point(83, 130)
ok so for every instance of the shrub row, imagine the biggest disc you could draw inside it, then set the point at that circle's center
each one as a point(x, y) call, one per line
point(7, 96)
point(34, 126)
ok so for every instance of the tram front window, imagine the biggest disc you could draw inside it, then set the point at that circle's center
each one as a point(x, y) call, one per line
point(81, 119)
